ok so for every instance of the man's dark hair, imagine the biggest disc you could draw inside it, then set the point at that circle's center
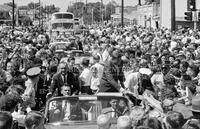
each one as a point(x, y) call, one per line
point(186, 77)
point(175, 119)
point(8, 102)
point(169, 80)
point(195, 69)
point(6, 120)
point(185, 64)
point(153, 123)
point(71, 58)
point(33, 118)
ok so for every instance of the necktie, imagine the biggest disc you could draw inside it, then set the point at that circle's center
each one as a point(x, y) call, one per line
point(115, 114)
point(67, 111)
point(63, 77)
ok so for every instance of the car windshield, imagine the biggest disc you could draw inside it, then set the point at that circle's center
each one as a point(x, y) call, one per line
point(72, 109)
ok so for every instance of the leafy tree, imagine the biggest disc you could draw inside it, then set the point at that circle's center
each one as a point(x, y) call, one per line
point(32, 5)
point(80, 10)
point(26, 21)
point(49, 9)
point(10, 4)
point(77, 9)
point(110, 9)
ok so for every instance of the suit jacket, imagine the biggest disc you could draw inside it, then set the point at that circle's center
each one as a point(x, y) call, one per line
point(57, 83)
point(110, 78)
point(109, 111)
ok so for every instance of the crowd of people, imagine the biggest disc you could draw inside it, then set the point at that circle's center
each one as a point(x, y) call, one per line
point(139, 62)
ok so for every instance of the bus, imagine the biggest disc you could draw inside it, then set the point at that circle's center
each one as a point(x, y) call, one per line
point(62, 21)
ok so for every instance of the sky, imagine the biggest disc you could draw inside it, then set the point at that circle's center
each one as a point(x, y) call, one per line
point(63, 4)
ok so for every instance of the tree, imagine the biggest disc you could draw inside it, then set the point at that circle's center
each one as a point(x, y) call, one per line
point(110, 9)
point(32, 5)
point(77, 9)
point(80, 10)
point(10, 4)
point(26, 21)
point(49, 9)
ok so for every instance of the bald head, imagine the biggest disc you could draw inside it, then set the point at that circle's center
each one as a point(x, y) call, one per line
point(124, 122)
point(103, 121)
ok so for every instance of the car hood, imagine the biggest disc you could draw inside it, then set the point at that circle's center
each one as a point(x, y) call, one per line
point(94, 126)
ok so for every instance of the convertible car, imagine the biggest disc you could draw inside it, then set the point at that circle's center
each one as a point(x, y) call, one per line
point(82, 111)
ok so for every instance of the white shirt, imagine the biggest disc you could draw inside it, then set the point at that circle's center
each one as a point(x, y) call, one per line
point(131, 82)
point(86, 76)
point(95, 82)
point(100, 69)
point(105, 56)
point(157, 80)
point(128, 39)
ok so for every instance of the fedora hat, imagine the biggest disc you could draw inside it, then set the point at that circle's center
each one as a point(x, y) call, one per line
point(196, 104)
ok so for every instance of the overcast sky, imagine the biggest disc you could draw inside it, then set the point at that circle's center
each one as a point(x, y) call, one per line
point(63, 4)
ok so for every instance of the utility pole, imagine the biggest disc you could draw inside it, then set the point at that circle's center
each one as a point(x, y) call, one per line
point(102, 11)
point(13, 14)
point(39, 13)
point(122, 14)
point(195, 20)
point(92, 16)
point(85, 13)
point(173, 15)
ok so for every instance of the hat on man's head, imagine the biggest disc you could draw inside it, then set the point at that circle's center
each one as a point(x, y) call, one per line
point(33, 72)
point(196, 104)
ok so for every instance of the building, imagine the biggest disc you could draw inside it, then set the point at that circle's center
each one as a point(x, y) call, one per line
point(181, 6)
point(5, 14)
point(130, 15)
point(149, 15)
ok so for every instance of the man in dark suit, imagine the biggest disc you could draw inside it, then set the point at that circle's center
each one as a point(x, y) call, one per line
point(61, 78)
point(112, 74)
point(112, 111)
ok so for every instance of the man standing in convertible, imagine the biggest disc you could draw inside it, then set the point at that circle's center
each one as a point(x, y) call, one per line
point(112, 75)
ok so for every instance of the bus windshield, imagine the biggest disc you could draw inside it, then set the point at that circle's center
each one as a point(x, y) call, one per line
point(62, 25)
point(63, 16)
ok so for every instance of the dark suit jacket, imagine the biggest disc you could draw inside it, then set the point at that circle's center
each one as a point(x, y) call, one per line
point(110, 78)
point(57, 83)
point(109, 111)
